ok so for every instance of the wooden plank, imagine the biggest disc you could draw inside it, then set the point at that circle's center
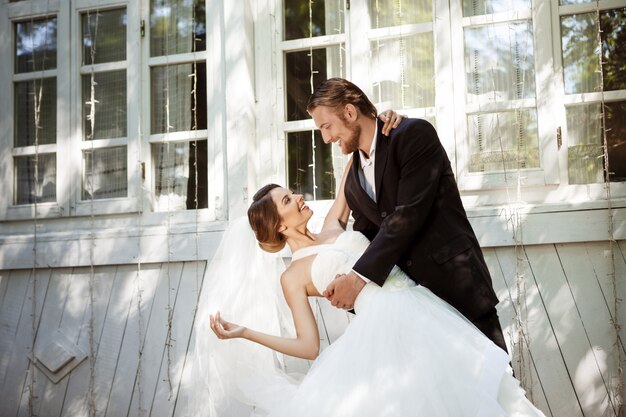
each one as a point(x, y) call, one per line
point(155, 337)
point(17, 382)
point(56, 299)
point(596, 318)
point(13, 300)
point(566, 322)
point(72, 325)
point(77, 381)
point(110, 345)
point(551, 370)
point(606, 271)
point(171, 370)
point(510, 322)
point(127, 358)
point(128, 363)
point(188, 386)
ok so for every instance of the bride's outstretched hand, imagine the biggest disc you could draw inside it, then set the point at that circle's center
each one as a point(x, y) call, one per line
point(224, 329)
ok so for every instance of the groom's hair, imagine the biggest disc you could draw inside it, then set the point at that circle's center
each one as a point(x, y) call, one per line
point(265, 220)
point(336, 93)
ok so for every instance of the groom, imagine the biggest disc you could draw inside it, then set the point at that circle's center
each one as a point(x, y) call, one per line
point(404, 198)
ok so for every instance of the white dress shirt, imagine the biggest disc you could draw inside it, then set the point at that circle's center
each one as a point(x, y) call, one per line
point(366, 176)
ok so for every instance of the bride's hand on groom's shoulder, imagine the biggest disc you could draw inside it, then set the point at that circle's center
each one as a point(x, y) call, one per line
point(391, 120)
point(224, 329)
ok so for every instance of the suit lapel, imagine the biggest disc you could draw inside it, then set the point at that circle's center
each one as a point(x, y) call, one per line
point(381, 158)
point(363, 201)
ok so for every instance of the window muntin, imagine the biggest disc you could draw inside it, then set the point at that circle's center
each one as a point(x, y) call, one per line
point(593, 62)
point(178, 105)
point(391, 56)
point(499, 70)
point(35, 116)
point(104, 98)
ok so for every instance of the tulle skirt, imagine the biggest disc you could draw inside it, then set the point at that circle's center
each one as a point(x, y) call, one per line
point(408, 353)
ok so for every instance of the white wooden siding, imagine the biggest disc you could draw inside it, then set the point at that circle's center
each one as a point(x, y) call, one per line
point(557, 309)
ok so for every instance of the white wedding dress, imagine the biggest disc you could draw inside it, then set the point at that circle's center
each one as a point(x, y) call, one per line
point(406, 353)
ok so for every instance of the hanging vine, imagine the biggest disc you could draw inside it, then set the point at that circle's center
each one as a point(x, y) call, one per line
point(90, 136)
point(618, 389)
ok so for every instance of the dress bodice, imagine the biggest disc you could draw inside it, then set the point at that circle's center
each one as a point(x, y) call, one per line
point(339, 258)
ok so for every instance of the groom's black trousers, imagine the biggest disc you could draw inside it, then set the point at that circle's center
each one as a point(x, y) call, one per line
point(490, 326)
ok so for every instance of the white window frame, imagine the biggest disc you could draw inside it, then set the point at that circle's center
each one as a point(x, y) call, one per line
point(9, 14)
point(596, 191)
point(129, 203)
point(70, 145)
point(546, 187)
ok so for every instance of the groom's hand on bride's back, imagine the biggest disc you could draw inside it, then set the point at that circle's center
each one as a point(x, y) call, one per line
point(343, 290)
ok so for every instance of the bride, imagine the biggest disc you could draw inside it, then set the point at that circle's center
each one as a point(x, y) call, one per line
point(406, 352)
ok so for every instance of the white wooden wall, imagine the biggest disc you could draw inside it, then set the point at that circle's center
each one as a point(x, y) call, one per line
point(566, 350)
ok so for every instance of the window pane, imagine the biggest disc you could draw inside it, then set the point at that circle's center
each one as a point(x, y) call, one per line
point(581, 61)
point(384, 13)
point(177, 26)
point(178, 98)
point(304, 18)
point(499, 62)
point(503, 140)
point(104, 36)
point(180, 183)
point(109, 113)
point(403, 72)
point(310, 166)
point(322, 63)
point(35, 179)
point(36, 45)
point(586, 143)
point(613, 32)
point(105, 173)
point(26, 95)
point(481, 7)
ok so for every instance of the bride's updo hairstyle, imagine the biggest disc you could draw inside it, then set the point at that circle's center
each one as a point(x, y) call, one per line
point(264, 220)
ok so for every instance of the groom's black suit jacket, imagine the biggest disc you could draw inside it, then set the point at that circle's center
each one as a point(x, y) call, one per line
point(418, 221)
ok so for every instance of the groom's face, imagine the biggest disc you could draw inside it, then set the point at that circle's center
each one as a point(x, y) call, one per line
point(337, 127)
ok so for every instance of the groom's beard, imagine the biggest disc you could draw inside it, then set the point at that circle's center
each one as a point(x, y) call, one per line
point(351, 144)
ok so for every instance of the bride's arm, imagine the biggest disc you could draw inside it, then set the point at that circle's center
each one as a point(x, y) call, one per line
point(306, 345)
point(339, 212)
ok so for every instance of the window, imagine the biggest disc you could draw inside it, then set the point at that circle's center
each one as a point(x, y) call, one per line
point(104, 121)
point(594, 80)
point(485, 73)
point(104, 110)
point(178, 108)
point(35, 116)
point(389, 54)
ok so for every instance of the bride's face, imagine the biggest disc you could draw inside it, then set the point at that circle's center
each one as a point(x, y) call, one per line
point(291, 208)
